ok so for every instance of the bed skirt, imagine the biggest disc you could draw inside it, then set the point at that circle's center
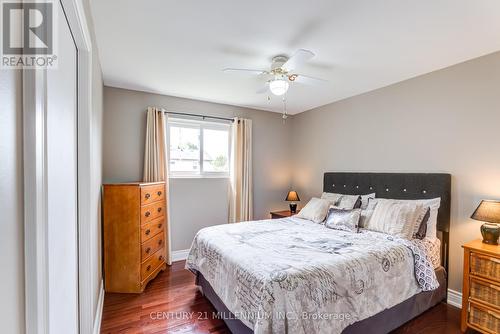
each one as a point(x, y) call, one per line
point(380, 323)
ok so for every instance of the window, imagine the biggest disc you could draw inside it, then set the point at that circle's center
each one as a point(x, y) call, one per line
point(198, 148)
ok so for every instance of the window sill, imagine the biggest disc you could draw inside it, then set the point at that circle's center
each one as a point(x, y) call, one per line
point(198, 176)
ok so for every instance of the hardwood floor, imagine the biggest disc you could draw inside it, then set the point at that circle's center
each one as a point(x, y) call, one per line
point(172, 303)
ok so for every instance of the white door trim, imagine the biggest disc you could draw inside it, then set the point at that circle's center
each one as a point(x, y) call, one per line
point(35, 202)
point(35, 180)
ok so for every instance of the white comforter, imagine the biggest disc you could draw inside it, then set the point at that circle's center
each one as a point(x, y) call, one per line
point(292, 275)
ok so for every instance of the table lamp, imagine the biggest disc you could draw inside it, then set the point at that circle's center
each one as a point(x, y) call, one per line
point(489, 212)
point(292, 197)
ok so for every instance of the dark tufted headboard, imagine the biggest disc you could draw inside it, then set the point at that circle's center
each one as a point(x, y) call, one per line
point(399, 186)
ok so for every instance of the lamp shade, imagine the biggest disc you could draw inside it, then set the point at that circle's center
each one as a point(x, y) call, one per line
point(488, 211)
point(292, 196)
point(278, 86)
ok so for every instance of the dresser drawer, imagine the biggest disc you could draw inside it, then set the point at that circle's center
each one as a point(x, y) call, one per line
point(485, 292)
point(485, 266)
point(152, 211)
point(151, 228)
point(484, 319)
point(154, 193)
point(153, 262)
point(152, 245)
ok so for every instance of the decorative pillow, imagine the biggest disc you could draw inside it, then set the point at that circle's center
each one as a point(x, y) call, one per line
point(395, 218)
point(422, 227)
point(345, 220)
point(365, 199)
point(349, 202)
point(334, 198)
point(434, 205)
point(315, 210)
point(367, 212)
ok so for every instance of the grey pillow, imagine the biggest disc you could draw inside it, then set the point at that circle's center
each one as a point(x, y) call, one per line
point(422, 229)
point(345, 220)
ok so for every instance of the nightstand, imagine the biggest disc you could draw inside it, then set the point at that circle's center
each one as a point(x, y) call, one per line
point(481, 287)
point(282, 214)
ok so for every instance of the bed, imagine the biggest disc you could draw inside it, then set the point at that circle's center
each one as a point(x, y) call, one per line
point(291, 275)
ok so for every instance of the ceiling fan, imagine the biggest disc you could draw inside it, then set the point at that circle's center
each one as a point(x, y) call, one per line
point(282, 72)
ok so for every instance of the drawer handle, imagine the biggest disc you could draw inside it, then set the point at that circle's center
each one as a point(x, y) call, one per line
point(160, 242)
point(160, 257)
point(147, 196)
point(159, 209)
point(148, 267)
point(159, 193)
point(159, 225)
point(148, 250)
point(147, 214)
point(148, 231)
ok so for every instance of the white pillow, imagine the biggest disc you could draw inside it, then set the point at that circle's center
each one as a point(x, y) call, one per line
point(315, 210)
point(433, 204)
point(396, 218)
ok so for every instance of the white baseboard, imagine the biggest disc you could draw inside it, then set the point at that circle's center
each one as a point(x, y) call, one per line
point(180, 255)
point(454, 298)
point(98, 312)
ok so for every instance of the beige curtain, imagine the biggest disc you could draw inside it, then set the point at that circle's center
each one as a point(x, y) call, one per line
point(155, 159)
point(241, 190)
point(154, 151)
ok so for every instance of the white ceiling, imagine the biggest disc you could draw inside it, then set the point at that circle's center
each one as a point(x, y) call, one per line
point(180, 47)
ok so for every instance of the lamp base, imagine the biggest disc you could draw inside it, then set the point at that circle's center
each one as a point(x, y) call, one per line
point(293, 207)
point(490, 233)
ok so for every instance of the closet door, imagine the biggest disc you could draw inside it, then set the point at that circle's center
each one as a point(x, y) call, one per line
point(62, 211)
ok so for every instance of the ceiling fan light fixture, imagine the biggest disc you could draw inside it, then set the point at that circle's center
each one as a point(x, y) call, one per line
point(278, 86)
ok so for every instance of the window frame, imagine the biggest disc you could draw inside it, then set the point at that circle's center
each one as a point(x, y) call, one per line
point(200, 125)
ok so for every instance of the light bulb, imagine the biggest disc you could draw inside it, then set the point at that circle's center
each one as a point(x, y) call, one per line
point(278, 86)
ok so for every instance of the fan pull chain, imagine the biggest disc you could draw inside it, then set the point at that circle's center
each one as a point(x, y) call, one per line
point(285, 115)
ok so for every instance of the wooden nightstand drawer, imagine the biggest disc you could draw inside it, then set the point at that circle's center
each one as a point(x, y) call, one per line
point(485, 266)
point(484, 292)
point(484, 319)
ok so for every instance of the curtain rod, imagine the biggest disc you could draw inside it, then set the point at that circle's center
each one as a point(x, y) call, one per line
point(198, 115)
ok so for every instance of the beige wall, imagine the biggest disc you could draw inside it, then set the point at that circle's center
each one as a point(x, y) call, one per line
point(11, 203)
point(124, 133)
point(446, 121)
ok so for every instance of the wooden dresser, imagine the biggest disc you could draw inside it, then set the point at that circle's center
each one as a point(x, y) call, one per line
point(481, 287)
point(134, 235)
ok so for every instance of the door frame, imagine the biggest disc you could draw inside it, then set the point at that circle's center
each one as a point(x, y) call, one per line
point(35, 182)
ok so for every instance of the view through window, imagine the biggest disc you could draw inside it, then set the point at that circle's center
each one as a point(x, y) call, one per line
point(198, 148)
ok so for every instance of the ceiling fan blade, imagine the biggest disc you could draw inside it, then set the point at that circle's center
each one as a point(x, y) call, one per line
point(300, 57)
point(305, 79)
point(243, 70)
